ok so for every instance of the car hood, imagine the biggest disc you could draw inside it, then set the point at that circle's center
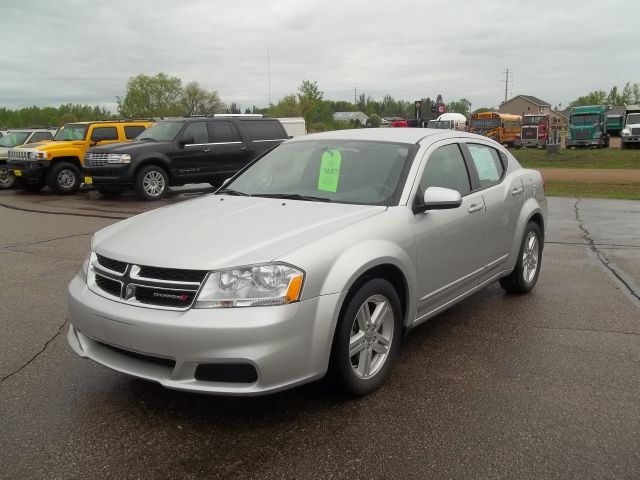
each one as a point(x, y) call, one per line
point(128, 147)
point(51, 145)
point(220, 231)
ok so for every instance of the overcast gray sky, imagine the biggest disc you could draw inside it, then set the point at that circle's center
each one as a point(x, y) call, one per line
point(65, 51)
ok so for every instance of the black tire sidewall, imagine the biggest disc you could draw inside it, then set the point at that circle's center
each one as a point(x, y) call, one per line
point(528, 286)
point(341, 362)
point(139, 183)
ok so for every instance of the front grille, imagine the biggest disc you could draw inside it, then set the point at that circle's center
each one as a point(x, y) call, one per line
point(112, 287)
point(18, 155)
point(172, 274)
point(111, 264)
point(635, 131)
point(164, 297)
point(529, 133)
point(158, 287)
point(582, 135)
point(166, 362)
point(226, 372)
point(95, 159)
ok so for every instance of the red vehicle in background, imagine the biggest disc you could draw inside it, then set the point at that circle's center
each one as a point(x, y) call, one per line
point(398, 123)
point(535, 131)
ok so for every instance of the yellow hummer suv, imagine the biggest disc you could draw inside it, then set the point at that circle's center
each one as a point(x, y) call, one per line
point(58, 163)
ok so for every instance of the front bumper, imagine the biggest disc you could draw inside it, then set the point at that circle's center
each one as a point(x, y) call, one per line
point(35, 170)
point(530, 143)
point(116, 175)
point(592, 142)
point(631, 139)
point(287, 345)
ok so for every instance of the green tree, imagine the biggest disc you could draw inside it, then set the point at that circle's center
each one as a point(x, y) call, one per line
point(286, 107)
point(613, 98)
point(374, 120)
point(234, 108)
point(197, 100)
point(462, 106)
point(158, 96)
point(597, 97)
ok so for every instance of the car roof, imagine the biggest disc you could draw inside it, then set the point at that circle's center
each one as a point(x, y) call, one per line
point(399, 135)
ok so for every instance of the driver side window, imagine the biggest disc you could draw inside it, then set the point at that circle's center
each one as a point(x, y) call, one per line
point(446, 168)
point(196, 133)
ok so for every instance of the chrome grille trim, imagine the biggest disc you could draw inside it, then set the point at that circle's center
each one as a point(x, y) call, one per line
point(95, 159)
point(18, 154)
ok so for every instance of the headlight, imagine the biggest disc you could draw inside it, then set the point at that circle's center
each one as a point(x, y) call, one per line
point(84, 268)
point(118, 158)
point(626, 132)
point(252, 286)
point(37, 155)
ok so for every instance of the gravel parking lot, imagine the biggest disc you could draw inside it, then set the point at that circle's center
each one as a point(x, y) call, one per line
point(541, 386)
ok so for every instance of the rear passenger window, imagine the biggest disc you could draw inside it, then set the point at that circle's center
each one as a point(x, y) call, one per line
point(40, 136)
point(133, 131)
point(264, 129)
point(488, 164)
point(100, 134)
point(196, 133)
point(446, 168)
point(224, 132)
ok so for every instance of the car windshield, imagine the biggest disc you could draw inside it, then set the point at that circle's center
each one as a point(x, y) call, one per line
point(13, 139)
point(633, 118)
point(584, 118)
point(71, 132)
point(161, 131)
point(534, 120)
point(357, 172)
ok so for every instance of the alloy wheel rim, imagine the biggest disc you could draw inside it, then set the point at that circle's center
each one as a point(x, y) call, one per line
point(153, 183)
point(66, 179)
point(530, 257)
point(6, 179)
point(371, 336)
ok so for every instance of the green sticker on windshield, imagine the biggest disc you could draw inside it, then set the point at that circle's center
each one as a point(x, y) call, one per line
point(329, 171)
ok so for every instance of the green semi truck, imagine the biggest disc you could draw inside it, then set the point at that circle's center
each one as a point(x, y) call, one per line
point(587, 127)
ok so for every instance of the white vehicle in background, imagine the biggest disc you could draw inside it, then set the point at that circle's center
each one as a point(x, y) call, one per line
point(449, 121)
point(295, 126)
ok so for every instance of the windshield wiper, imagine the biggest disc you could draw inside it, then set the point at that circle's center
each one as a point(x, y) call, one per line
point(148, 138)
point(229, 191)
point(294, 196)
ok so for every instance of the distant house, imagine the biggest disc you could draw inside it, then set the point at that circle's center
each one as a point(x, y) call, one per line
point(530, 105)
point(351, 117)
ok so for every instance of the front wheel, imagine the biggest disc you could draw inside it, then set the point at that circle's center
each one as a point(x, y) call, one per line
point(367, 339)
point(64, 178)
point(151, 183)
point(7, 180)
point(525, 274)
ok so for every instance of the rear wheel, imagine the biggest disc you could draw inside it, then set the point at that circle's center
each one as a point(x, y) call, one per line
point(367, 338)
point(64, 178)
point(151, 183)
point(525, 274)
point(7, 180)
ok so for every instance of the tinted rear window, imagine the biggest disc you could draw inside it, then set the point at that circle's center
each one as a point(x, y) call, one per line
point(264, 129)
point(133, 131)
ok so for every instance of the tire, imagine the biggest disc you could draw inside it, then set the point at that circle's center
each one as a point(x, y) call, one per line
point(64, 178)
point(525, 274)
point(7, 180)
point(365, 371)
point(110, 192)
point(152, 183)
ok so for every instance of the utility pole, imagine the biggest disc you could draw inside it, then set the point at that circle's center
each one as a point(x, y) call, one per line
point(506, 85)
point(355, 96)
point(269, 74)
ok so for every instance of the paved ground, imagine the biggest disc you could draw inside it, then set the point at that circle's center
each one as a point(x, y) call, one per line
point(541, 386)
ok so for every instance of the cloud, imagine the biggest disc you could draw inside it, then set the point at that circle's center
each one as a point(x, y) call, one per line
point(85, 52)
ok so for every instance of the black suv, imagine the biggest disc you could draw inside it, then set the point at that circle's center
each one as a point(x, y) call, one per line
point(176, 152)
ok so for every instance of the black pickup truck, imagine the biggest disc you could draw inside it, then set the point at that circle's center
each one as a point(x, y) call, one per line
point(176, 152)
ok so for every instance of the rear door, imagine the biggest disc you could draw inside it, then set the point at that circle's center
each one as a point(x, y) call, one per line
point(227, 152)
point(263, 133)
point(503, 195)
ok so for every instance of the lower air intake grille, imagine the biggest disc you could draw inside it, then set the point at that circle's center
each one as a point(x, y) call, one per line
point(139, 356)
point(227, 373)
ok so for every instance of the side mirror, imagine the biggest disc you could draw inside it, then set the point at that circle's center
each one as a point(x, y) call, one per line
point(437, 198)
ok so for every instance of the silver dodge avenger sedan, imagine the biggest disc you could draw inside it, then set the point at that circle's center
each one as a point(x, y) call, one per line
point(318, 257)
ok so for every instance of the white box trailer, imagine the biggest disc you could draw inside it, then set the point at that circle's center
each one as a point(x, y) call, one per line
point(295, 126)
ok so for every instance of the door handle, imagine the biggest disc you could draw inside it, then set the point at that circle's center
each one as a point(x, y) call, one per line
point(476, 207)
point(243, 148)
point(517, 191)
point(206, 150)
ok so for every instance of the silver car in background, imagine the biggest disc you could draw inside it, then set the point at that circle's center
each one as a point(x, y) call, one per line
point(317, 257)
